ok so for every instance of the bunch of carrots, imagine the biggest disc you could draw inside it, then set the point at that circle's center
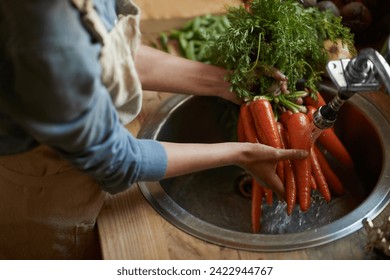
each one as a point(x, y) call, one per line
point(257, 124)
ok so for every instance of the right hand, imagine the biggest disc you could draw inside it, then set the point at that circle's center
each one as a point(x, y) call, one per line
point(261, 163)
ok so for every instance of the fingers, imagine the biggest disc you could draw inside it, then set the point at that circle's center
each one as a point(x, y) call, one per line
point(274, 183)
point(292, 154)
point(277, 75)
point(283, 87)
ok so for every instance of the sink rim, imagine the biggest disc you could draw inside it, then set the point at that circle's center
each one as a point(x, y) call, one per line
point(371, 207)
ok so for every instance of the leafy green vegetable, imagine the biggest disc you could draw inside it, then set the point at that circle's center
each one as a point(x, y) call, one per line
point(279, 33)
point(192, 37)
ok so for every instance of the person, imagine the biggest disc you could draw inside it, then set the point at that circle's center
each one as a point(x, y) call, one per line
point(70, 79)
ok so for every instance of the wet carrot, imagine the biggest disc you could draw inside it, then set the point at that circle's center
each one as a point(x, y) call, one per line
point(313, 183)
point(319, 177)
point(269, 196)
point(332, 143)
point(329, 141)
point(310, 111)
point(310, 101)
point(291, 186)
point(284, 117)
point(265, 124)
point(248, 124)
point(299, 130)
point(257, 196)
point(334, 183)
point(289, 179)
point(247, 132)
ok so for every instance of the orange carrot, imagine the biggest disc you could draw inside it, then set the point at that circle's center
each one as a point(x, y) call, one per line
point(291, 186)
point(257, 196)
point(334, 183)
point(269, 196)
point(310, 111)
point(265, 123)
point(331, 142)
point(310, 101)
point(299, 130)
point(319, 177)
point(313, 183)
point(289, 179)
point(247, 132)
point(248, 124)
point(284, 117)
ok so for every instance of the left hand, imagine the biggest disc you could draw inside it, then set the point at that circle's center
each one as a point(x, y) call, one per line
point(280, 80)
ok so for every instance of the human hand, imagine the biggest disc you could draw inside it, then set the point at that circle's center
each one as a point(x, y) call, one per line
point(281, 80)
point(261, 161)
point(280, 85)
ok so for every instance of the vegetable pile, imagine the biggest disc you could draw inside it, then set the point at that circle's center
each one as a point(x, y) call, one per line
point(251, 41)
point(257, 124)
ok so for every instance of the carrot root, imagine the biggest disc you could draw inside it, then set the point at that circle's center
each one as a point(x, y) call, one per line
point(335, 184)
point(257, 196)
point(319, 176)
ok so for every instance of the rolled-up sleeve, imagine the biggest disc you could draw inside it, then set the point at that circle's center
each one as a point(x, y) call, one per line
point(59, 99)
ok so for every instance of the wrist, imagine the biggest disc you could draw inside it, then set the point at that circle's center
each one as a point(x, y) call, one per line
point(244, 154)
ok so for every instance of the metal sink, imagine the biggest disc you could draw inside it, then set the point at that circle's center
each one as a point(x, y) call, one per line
point(209, 205)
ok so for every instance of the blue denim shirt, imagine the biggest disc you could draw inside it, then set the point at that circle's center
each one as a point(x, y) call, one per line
point(51, 93)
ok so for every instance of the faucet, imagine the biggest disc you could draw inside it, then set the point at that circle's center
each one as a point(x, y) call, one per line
point(368, 71)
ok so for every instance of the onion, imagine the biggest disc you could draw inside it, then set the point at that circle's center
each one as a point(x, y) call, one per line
point(356, 16)
point(339, 3)
point(328, 5)
point(308, 3)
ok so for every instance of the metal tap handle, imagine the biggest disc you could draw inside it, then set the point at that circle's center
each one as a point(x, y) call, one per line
point(360, 66)
point(366, 72)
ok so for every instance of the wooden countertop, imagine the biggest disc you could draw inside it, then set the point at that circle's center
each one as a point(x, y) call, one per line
point(130, 228)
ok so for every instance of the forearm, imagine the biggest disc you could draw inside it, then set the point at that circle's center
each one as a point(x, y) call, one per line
point(186, 158)
point(165, 72)
point(259, 160)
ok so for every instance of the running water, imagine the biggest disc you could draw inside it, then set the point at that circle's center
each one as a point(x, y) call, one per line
point(315, 132)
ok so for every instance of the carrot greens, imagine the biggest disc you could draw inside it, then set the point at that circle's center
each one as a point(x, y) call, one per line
point(274, 33)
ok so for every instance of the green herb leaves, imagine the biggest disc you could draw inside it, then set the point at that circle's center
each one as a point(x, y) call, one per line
point(276, 33)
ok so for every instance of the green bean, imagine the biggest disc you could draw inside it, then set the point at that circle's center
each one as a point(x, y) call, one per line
point(193, 35)
point(190, 51)
point(164, 41)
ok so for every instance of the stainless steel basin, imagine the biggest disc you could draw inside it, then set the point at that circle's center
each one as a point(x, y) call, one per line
point(209, 206)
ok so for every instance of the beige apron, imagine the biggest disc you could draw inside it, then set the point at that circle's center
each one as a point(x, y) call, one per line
point(48, 209)
point(117, 55)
